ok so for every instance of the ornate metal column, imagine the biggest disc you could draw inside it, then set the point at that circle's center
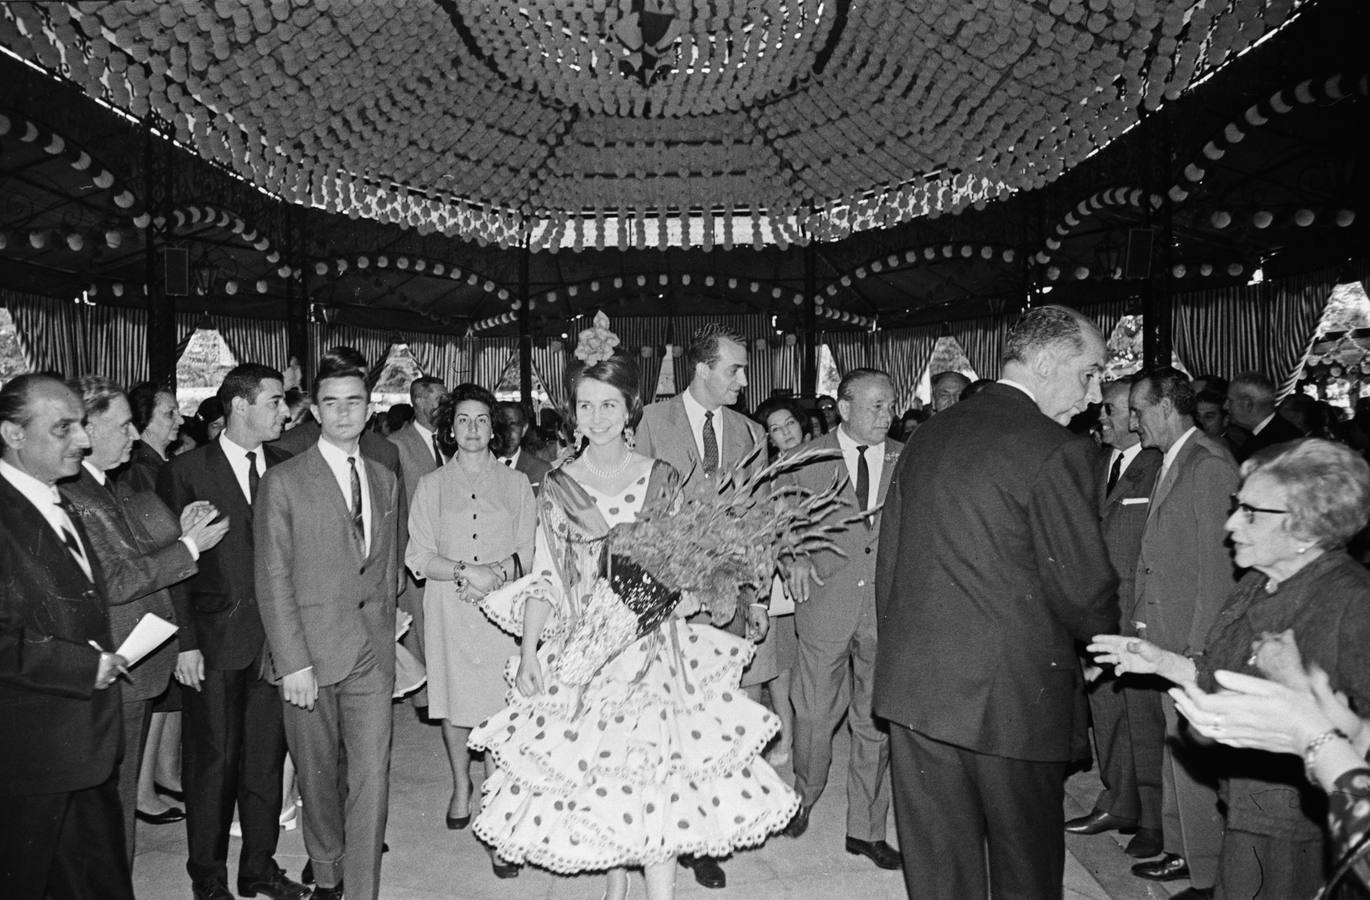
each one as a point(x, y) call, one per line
point(808, 337)
point(158, 163)
point(525, 319)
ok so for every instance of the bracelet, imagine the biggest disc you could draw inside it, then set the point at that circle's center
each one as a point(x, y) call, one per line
point(1310, 753)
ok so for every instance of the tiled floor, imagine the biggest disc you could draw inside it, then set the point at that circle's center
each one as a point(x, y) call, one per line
point(427, 861)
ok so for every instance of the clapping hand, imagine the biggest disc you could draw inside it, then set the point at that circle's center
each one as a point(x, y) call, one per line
point(197, 524)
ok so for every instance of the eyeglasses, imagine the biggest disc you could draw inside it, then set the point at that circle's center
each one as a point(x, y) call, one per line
point(1250, 511)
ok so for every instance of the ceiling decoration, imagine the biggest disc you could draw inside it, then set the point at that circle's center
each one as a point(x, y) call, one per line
point(640, 123)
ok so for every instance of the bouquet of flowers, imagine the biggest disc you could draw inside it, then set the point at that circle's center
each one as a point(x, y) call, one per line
point(706, 544)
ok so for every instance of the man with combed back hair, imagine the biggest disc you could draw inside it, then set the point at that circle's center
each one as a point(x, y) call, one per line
point(990, 568)
point(61, 829)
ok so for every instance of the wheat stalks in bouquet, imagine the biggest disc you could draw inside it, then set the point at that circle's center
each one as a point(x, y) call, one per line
point(709, 544)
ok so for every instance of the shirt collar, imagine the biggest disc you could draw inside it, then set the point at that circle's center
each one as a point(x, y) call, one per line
point(94, 471)
point(425, 433)
point(1174, 451)
point(39, 494)
point(1020, 386)
point(848, 443)
point(336, 457)
point(513, 457)
point(1263, 423)
point(694, 409)
point(235, 450)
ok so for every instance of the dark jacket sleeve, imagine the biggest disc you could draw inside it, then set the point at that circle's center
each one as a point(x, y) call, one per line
point(176, 494)
point(1080, 584)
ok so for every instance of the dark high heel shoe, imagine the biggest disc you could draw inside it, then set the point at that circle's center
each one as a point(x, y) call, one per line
point(504, 869)
point(457, 823)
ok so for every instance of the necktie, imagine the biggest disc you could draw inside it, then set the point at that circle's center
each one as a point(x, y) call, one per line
point(437, 449)
point(863, 477)
point(1114, 474)
point(69, 536)
point(253, 478)
point(710, 445)
point(358, 528)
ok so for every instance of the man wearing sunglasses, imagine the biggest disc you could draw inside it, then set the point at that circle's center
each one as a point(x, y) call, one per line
point(1183, 576)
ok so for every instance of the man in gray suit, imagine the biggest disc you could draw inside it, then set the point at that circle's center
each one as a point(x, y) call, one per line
point(1183, 576)
point(835, 621)
point(1129, 728)
point(420, 453)
point(327, 535)
point(705, 441)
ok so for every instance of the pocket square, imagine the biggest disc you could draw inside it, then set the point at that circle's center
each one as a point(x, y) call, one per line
point(1131, 501)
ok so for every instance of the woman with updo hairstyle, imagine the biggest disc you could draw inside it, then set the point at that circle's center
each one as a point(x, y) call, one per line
point(656, 755)
point(158, 423)
point(1303, 601)
point(471, 526)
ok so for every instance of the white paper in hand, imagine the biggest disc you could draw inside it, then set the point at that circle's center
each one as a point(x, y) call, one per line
point(151, 632)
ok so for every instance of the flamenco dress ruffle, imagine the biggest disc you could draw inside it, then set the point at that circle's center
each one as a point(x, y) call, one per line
point(657, 756)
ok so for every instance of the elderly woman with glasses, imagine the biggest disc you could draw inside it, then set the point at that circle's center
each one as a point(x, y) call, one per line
point(1297, 508)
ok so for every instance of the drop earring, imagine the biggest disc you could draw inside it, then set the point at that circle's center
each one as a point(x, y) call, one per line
point(629, 437)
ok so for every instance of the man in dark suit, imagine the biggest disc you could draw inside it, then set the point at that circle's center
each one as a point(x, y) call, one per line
point(1129, 728)
point(1251, 406)
point(705, 441)
point(420, 453)
point(138, 569)
point(306, 434)
point(328, 572)
point(61, 828)
point(511, 424)
point(1183, 577)
point(990, 567)
point(835, 620)
point(232, 738)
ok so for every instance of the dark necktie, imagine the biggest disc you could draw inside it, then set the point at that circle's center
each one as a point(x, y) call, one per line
point(253, 479)
point(509, 461)
point(863, 477)
point(1114, 474)
point(358, 527)
point(69, 535)
point(437, 449)
point(710, 445)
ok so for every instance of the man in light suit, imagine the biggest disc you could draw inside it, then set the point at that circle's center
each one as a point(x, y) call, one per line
point(1184, 574)
point(138, 567)
point(328, 574)
point(511, 424)
point(420, 453)
point(706, 441)
point(232, 739)
point(1129, 728)
point(835, 621)
point(991, 567)
point(61, 829)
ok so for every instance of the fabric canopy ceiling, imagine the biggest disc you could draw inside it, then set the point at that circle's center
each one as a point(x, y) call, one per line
point(640, 123)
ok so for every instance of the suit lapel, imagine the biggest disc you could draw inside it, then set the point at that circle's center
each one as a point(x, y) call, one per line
point(221, 475)
point(1165, 484)
point(684, 435)
point(379, 503)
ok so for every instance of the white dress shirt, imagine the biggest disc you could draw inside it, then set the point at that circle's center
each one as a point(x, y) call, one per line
point(428, 435)
point(342, 473)
point(875, 464)
point(513, 460)
point(1127, 455)
point(237, 461)
point(1260, 426)
point(1014, 384)
point(694, 411)
point(1174, 452)
point(47, 501)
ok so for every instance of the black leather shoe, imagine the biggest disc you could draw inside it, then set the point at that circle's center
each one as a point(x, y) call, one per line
point(178, 796)
point(1145, 844)
point(1193, 894)
point(799, 822)
point(333, 893)
point(707, 871)
point(165, 817)
point(504, 869)
point(307, 873)
point(275, 884)
point(1098, 821)
point(1171, 867)
point(878, 852)
point(210, 890)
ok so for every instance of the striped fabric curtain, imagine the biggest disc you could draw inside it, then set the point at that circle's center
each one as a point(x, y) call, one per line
point(251, 340)
point(1263, 328)
point(79, 339)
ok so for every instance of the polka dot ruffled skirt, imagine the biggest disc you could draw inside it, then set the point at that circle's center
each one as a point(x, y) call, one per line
point(657, 756)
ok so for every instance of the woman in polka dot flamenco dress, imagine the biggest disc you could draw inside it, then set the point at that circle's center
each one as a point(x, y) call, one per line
point(633, 760)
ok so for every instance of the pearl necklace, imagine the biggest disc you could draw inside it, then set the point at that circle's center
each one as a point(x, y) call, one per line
point(608, 474)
